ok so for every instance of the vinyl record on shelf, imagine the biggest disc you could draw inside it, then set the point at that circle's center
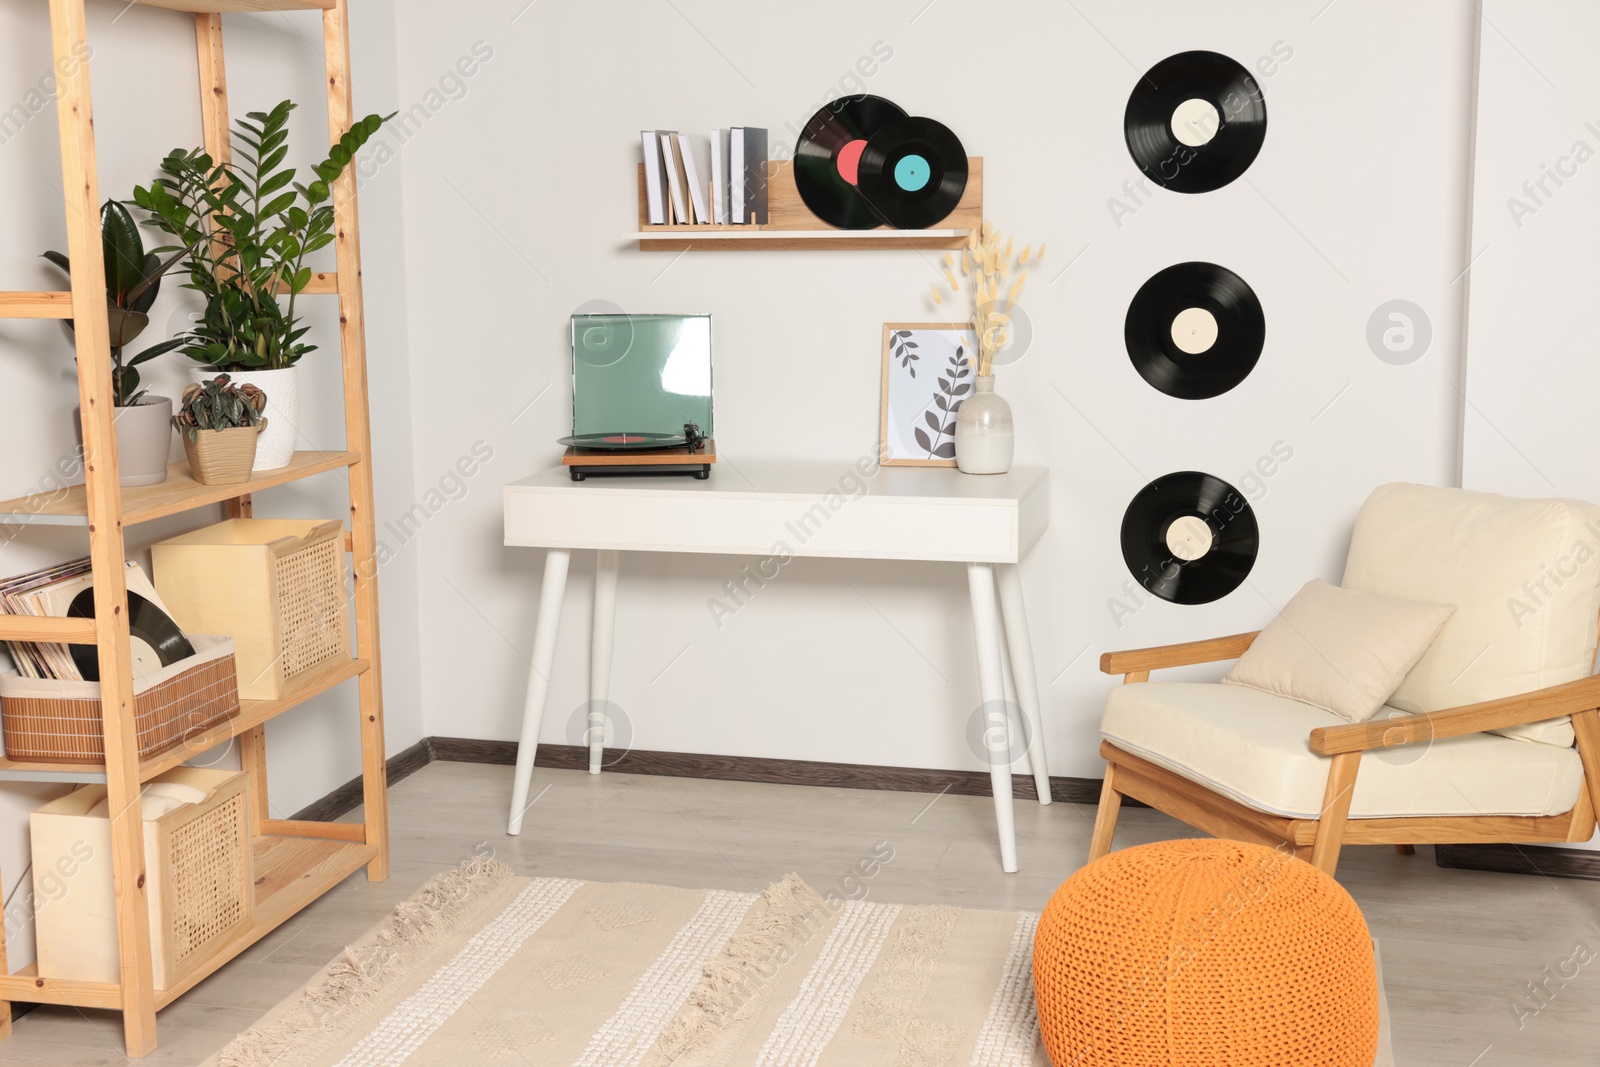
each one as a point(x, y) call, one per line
point(828, 154)
point(154, 639)
point(1195, 122)
point(1194, 330)
point(913, 172)
point(1189, 538)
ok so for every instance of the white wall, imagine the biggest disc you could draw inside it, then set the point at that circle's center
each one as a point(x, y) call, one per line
point(1532, 377)
point(146, 102)
point(520, 189)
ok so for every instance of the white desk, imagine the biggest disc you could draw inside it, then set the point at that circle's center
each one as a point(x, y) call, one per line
point(815, 509)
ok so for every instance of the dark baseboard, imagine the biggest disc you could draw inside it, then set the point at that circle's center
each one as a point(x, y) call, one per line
point(347, 797)
point(1521, 859)
point(767, 771)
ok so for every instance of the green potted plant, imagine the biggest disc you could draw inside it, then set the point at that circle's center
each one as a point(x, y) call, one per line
point(133, 281)
point(246, 229)
point(220, 423)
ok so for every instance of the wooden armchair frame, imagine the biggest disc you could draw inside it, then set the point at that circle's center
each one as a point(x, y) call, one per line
point(1320, 839)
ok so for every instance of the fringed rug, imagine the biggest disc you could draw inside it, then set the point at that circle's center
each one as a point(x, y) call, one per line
point(481, 967)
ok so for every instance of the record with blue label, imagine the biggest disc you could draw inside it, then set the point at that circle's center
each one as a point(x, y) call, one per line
point(912, 172)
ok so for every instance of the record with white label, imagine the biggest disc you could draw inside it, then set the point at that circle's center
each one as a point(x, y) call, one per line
point(154, 640)
point(1195, 122)
point(1189, 538)
point(1194, 330)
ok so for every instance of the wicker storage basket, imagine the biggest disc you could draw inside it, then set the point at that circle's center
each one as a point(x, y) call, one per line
point(276, 586)
point(59, 722)
point(200, 880)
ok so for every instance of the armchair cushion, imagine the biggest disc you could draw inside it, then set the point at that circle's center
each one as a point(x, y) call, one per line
point(1338, 649)
point(1253, 747)
point(1523, 575)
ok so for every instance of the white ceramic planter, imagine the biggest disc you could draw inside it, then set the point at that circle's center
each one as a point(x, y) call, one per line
point(144, 440)
point(984, 436)
point(275, 446)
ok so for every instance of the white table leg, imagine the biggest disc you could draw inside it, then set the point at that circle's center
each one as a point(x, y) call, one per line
point(1020, 646)
point(544, 655)
point(600, 641)
point(991, 681)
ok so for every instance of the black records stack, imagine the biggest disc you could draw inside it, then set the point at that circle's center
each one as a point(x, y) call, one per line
point(862, 162)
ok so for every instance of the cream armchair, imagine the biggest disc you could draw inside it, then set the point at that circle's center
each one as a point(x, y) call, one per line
point(1494, 736)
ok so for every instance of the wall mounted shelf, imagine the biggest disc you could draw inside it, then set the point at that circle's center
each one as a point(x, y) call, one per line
point(792, 227)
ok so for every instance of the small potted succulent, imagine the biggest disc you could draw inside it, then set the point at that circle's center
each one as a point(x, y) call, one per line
point(219, 422)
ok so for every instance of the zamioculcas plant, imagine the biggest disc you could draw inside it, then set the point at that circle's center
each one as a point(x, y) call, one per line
point(247, 228)
point(133, 281)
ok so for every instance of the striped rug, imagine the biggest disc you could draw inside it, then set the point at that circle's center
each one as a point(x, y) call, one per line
point(481, 967)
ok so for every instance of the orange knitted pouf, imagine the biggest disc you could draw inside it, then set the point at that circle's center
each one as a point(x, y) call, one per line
point(1205, 954)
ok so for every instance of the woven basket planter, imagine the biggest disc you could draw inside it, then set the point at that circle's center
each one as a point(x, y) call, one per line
point(52, 721)
point(222, 457)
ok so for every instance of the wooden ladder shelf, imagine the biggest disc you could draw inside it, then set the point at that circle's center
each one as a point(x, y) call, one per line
point(296, 862)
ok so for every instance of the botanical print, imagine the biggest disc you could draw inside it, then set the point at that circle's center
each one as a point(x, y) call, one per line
point(927, 373)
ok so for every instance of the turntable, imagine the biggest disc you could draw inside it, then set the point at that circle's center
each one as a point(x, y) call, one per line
point(641, 396)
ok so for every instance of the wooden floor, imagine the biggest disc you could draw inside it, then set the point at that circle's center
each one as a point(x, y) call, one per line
point(1458, 947)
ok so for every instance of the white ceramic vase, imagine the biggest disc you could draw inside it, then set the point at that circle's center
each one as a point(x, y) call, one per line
point(984, 436)
point(275, 445)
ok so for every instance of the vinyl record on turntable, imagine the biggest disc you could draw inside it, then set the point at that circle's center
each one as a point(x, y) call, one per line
point(913, 172)
point(1195, 122)
point(1189, 538)
point(154, 640)
point(1194, 330)
point(827, 158)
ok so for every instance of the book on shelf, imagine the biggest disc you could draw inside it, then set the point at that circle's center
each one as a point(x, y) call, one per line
point(748, 155)
point(720, 144)
point(655, 177)
point(736, 177)
point(692, 172)
point(672, 161)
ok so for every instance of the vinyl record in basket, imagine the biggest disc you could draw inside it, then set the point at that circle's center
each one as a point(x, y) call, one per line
point(154, 639)
point(1189, 538)
point(1195, 122)
point(624, 442)
point(828, 154)
point(913, 172)
point(1194, 330)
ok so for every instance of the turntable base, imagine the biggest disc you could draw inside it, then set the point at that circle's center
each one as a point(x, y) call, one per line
point(583, 463)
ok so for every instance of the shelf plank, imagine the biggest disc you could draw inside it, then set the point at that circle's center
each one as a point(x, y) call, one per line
point(791, 226)
point(291, 872)
point(252, 713)
point(35, 305)
point(224, 7)
point(26, 987)
point(322, 283)
point(179, 493)
point(56, 630)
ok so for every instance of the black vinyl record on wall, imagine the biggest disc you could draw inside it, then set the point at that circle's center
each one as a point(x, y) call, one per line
point(1189, 538)
point(1194, 330)
point(1195, 122)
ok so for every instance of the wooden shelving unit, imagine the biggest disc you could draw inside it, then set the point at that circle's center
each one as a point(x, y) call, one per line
point(791, 226)
point(295, 862)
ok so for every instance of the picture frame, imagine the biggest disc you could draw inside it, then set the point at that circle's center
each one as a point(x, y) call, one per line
point(927, 374)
